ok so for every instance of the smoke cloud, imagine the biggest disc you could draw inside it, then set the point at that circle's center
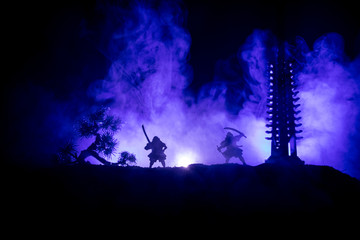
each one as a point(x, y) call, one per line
point(149, 74)
point(147, 82)
point(329, 91)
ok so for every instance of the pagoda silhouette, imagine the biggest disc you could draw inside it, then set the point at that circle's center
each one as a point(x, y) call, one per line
point(283, 114)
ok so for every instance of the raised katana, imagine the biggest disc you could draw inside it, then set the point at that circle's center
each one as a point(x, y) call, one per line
point(233, 129)
point(147, 138)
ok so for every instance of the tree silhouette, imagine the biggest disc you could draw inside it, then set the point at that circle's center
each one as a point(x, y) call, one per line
point(67, 154)
point(102, 126)
point(126, 159)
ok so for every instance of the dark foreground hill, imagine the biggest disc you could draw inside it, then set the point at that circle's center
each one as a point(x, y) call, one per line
point(198, 193)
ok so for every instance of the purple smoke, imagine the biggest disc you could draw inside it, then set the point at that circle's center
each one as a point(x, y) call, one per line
point(146, 83)
point(329, 89)
point(150, 71)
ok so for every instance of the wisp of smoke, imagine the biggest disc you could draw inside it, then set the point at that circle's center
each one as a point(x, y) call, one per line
point(328, 90)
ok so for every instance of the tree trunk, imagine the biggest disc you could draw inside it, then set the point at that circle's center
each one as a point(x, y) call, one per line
point(86, 153)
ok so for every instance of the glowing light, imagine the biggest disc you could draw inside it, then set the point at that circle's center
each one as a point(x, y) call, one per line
point(185, 158)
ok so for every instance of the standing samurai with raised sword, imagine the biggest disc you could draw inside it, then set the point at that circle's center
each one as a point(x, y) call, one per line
point(157, 147)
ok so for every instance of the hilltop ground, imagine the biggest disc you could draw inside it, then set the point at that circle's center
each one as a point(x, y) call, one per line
point(222, 193)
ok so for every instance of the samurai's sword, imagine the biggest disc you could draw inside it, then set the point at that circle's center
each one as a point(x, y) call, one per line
point(147, 138)
point(233, 129)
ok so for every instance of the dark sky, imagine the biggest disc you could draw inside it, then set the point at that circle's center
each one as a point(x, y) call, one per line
point(44, 40)
point(222, 28)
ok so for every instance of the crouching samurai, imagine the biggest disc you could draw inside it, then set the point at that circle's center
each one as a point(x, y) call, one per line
point(232, 149)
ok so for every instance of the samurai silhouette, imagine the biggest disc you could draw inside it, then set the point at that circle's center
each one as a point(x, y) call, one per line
point(232, 149)
point(157, 147)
